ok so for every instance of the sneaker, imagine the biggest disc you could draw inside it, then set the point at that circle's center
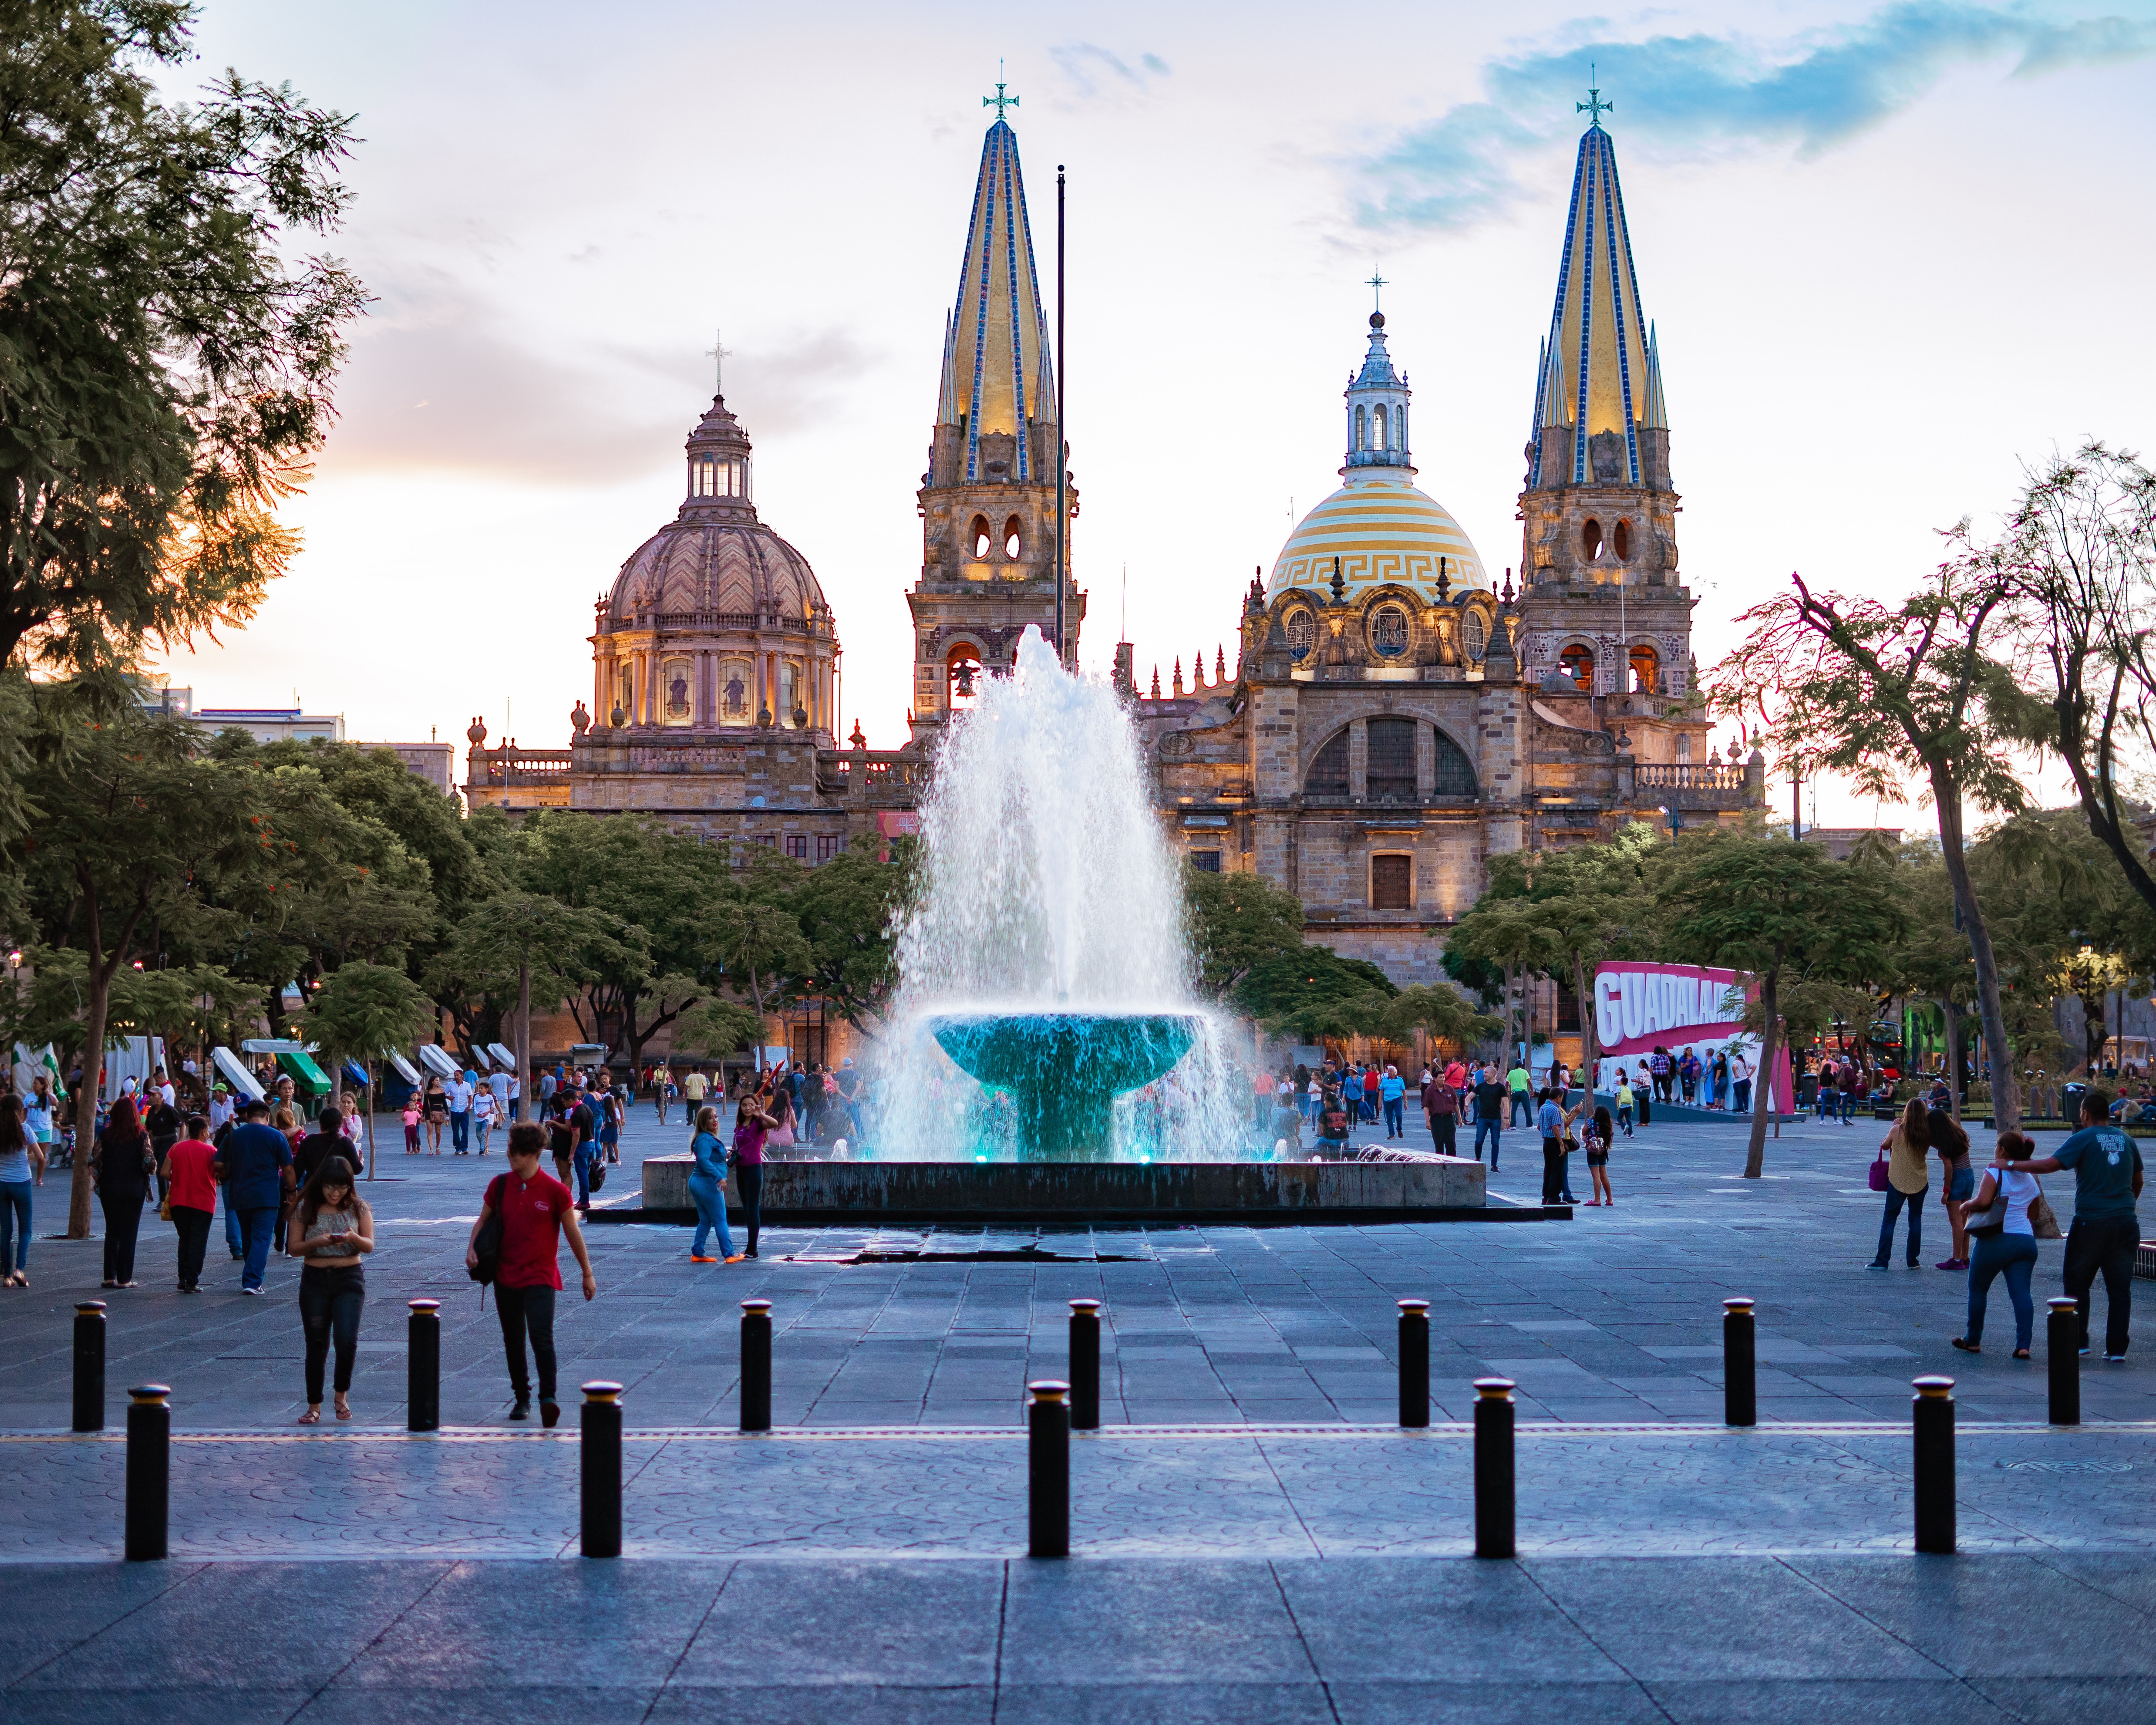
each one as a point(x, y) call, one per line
point(550, 1414)
point(694, 1259)
point(1952, 1264)
point(736, 1259)
point(522, 1411)
point(1878, 1267)
point(2115, 1359)
point(250, 1291)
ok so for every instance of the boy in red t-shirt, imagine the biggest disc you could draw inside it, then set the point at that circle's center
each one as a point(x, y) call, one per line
point(191, 1189)
point(536, 1210)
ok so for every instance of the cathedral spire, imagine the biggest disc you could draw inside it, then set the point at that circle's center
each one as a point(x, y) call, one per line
point(1599, 417)
point(1377, 398)
point(999, 378)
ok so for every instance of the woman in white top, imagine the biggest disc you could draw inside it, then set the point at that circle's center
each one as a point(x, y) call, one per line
point(2004, 1242)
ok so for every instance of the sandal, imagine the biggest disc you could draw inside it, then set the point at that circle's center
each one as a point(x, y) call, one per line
point(343, 1408)
point(2020, 1353)
point(1967, 1346)
point(313, 1416)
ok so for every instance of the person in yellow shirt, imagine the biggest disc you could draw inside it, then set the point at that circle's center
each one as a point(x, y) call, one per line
point(1907, 1180)
point(694, 1088)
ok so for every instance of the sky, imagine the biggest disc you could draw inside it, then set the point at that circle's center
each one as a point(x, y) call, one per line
point(1894, 255)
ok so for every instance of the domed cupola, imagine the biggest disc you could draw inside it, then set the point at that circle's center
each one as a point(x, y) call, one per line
point(1378, 409)
point(716, 621)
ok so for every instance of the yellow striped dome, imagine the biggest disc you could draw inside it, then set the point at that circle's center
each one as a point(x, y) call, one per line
point(1383, 529)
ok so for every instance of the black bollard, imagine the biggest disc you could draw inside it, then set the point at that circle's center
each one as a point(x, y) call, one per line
point(601, 1420)
point(1048, 1470)
point(90, 1365)
point(423, 1368)
point(1932, 1416)
point(2062, 1343)
point(1740, 1370)
point(149, 1471)
point(1085, 1365)
point(1493, 1467)
point(1415, 1362)
point(756, 1365)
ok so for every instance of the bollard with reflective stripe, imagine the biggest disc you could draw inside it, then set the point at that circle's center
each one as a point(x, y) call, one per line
point(90, 1365)
point(2062, 1343)
point(1415, 1362)
point(1932, 1417)
point(1048, 1470)
point(1740, 1374)
point(1085, 1365)
point(601, 1418)
point(423, 1369)
point(149, 1471)
point(756, 1365)
point(1493, 1467)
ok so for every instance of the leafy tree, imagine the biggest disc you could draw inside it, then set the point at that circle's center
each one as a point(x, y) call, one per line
point(761, 947)
point(1504, 928)
point(360, 1010)
point(1443, 1014)
point(167, 352)
point(1313, 992)
point(1238, 921)
point(847, 910)
point(718, 1028)
point(1871, 690)
point(1772, 906)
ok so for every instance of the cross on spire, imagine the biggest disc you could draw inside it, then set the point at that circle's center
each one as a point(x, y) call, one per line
point(1377, 284)
point(999, 101)
point(1593, 107)
point(718, 353)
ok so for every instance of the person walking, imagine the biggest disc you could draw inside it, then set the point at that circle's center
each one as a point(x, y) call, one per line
point(457, 1094)
point(1740, 1083)
point(1624, 1102)
point(1957, 1182)
point(412, 1123)
point(190, 1195)
point(2106, 1230)
point(1595, 1133)
point(435, 1106)
point(1549, 1121)
point(1489, 1114)
point(662, 1090)
point(707, 1190)
point(581, 1115)
point(536, 1211)
point(2004, 1243)
point(1441, 1107)
point(1847, 1084)
point(485, 1110)
point(331, 1231)
point(694, 1088)
point(121, 1164)
point(1392, 1092)
point(1519, 1085)
point(1907, 1181)
point(1659, 1065)
point(326, 1141)
point(22, 1165)
point(613, 1109)
point(256, 1166)
point(752, 1131)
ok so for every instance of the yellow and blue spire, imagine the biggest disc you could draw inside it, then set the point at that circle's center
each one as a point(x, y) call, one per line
point(1598, 387)
point(998, 375)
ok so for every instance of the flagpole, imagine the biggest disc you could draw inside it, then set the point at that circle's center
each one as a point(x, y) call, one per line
point(1062, 447)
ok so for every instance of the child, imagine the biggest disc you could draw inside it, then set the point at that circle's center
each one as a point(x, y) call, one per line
point(1594, 1136)
point(1625, 1102)
point(412, 1124)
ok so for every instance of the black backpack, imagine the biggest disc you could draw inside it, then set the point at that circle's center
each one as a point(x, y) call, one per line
point(486, 1246)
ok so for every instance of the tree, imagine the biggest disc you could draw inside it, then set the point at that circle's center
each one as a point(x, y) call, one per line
point(2079, 557)
point(1505, 928)
point(1313, 992)
point(1772, 905)
point(1870, 690)
point(847, 910)
point(718, 1028)
point(360, 1010)
point(760, 945)
point(166, 352)
point(1238, 921)
point(1443, 1014)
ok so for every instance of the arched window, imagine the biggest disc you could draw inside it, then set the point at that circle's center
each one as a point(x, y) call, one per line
point(1455, 772)
point(1620, 541)
point(736, 677)
point(1013, 538)
point(1474, 635)
point(1388, 628)
point(703, 476)
point(1362, 426)
point(1646, 668)
point(978, 534)
point(1401, 426)
point(1301, 628)
point(676, 696)
point(1391, 775)
point(1578, 662)
point(1590, 539)
point(962, 673)
point(1328, 773)
point(1377, 428)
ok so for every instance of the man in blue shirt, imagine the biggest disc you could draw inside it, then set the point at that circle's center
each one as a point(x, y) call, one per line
point(1549, 1121)
point(2107, 1165)
point(256, 1165)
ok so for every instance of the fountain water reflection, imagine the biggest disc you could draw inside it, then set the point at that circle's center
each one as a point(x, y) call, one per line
point(1045, 1009)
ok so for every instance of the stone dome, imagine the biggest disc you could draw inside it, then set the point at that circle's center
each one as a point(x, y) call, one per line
point(716, 562)
point(1383, 530)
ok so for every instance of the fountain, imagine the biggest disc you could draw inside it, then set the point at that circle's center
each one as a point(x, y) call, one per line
point(1064, 1070)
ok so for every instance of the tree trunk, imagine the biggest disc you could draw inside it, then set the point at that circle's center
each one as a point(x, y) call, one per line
point(524, 1068)
point(1755, 1153)
point(1589, 1044)
point(96, 1010)
point(1998, 1052)
point(368, 1067)
point(1950, 1016)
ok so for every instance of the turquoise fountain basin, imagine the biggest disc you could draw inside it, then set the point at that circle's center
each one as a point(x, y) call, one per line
point(1064, 1070)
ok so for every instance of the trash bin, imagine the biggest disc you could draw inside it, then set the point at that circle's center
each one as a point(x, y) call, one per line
point(2070, 1101)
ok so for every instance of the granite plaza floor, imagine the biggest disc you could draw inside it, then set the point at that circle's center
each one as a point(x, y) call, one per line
point(1254, 1540)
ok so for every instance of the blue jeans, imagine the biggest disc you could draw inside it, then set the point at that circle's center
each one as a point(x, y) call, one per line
point(2015, 1256)
point(586, 1155)
point(1496, 1129)
point(14, 1218)
point(854, 1114)
point(1625, 1120)
point(1895, 1198)
point(460, 1130)
point(256, 1228)
point(232, 1225)
point(1393, 1120)
point(709, 1197)
point(1743, 1088)
point(1523, 1112)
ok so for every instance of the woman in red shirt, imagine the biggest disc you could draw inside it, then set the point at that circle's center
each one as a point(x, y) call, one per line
point(191, 1190)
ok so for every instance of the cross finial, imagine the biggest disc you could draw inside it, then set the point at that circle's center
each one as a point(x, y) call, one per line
point(1593, 107)
point(1376, 284)
point(717, 353)
point(999, 101)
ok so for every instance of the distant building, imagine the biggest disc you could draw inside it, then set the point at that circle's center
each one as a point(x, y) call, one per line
point(434, 761)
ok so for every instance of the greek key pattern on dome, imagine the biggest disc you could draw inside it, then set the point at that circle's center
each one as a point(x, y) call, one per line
point(1358, 569)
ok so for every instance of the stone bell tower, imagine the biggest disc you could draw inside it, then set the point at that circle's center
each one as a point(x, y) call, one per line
point(987, 502)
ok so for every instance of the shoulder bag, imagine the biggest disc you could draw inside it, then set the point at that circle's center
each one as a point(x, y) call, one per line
point(1992, 1217)
point(1878, 1171)
point(2042, 1222)
point(487, 1246)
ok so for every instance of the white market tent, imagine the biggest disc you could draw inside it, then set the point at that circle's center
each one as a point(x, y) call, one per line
point(436, 1060)
point(233, 1071)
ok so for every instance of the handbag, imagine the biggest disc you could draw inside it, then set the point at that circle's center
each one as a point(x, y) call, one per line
point(1878, 1171)
point(2043, 1223)
point(1992, 1217)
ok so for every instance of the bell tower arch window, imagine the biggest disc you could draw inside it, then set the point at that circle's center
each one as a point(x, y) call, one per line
point(1013, 539)
point(1362, 426)
point(1578, 662)
point(1590, 539)
point(1646, 668)
point(1620, 541)
point(977, 536)
point(1378, 426)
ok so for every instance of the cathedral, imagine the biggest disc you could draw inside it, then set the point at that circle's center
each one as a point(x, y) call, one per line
point(1395, 716)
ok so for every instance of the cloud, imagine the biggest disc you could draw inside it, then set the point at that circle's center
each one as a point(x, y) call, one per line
point(1812, 91)
point(1093, 72)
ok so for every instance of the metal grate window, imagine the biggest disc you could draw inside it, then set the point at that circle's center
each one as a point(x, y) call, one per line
point(1455, 772)
point(1206, 862)
point(1392, 774)
point(1328, 773)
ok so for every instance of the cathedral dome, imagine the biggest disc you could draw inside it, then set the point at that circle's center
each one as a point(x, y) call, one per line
point(1383, 529)
point(715, 560)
